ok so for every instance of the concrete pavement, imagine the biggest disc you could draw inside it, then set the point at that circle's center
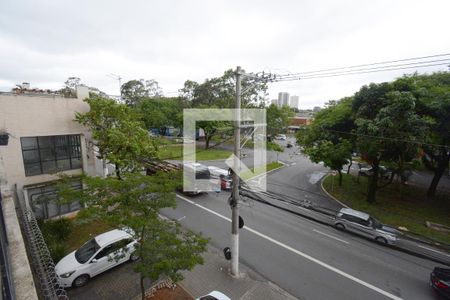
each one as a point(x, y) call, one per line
point(214, 275)
point(123, 283)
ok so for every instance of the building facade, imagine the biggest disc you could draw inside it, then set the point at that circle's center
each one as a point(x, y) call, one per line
point(294, 101)
point(296, 122)
point(44, 142)
point(283, 99)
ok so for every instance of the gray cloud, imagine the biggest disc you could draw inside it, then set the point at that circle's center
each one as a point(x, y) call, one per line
point(44, 42)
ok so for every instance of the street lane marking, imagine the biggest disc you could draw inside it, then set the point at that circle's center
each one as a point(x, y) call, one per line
point(342, 273)
point(330, 236)
point(434, 250)
point(183, 217)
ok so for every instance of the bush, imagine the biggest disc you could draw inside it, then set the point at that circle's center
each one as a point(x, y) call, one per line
point(57, 250)
point(55, 233)
point(59, 229)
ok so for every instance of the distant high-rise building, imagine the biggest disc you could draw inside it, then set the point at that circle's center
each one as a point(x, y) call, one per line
point(294, 101)
point(283, 99)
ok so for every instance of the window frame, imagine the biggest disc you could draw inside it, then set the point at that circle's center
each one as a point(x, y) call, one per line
point(55, 160)
point(50, 190)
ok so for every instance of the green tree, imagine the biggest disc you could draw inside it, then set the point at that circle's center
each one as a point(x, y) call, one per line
point(278, 119)
point(387, 128)
point(133, 202)
point(162, 112)
point(329, 138)
point(118, 132)
point(134, 91)
point(221, 91)
point(433, 95)
point(70, 87)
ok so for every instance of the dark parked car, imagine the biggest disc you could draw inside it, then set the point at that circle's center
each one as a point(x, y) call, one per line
point(440, 281)
point(383, 172)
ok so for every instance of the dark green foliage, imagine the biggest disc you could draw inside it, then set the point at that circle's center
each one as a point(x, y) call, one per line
point(134, 201)
point(55, 233)
point(134, 91)
point(119, 133)
point(329, 138)
point(390, 123)
point(221, 91)
point(278, 119)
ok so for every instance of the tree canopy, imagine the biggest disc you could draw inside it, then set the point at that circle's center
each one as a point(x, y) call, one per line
point(391, 122)
point(118, 132)
point(327, 139)
point(134, 91)
point(221, 91)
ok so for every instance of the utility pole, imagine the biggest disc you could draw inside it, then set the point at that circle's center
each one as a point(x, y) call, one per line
point(118, 78)
point(235, 191)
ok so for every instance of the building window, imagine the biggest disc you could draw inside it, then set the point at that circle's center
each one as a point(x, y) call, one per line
point(50, 154)
point(44, 201)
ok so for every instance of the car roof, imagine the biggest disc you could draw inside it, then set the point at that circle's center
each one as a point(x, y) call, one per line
point(217, 295)
point(217, 169)
point(196, 166)
point(356, 213)
point(111, 236)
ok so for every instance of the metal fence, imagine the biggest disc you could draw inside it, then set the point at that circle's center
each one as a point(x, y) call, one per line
point(41, 261)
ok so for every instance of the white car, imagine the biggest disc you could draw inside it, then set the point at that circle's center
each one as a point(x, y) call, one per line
point(214, 295)
point(216, 172)
point(281, 137)
point(99, 254)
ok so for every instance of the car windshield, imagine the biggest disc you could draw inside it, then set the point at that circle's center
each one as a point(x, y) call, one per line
point(86, 251)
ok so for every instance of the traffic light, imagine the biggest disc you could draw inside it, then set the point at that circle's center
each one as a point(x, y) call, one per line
point(227, 253)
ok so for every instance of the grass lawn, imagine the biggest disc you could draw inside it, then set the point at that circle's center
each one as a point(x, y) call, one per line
point(396, 205)
point(175, 152)
point(260, 170)
point(83, 232)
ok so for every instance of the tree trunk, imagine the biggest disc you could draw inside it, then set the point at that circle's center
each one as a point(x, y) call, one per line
point(340, 177)
point(207, 139)
point(436, 178)
point(349, 166)
point(118, 172)
point(373, 184)
point(142, 288)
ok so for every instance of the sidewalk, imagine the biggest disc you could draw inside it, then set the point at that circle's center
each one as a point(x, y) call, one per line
point(123, 283)
point(214, 275)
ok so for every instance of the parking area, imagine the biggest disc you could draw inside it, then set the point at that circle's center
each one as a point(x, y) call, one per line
point(118, 283)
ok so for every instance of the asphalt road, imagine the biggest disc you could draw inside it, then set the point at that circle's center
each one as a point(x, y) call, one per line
point(308, 259)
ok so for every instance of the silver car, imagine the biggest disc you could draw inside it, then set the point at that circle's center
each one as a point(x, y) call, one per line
point(363, 224)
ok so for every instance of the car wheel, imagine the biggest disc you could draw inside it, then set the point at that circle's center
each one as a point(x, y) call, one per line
point(340, 226)
point(134, 256)
point(80, 280)
point(381, 240)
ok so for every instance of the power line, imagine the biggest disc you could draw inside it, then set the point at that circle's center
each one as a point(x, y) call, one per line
point(371, 64)
point(354, 73)
point(447, 60)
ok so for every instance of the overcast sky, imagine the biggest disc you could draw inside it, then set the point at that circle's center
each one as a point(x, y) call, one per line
point(44, 42)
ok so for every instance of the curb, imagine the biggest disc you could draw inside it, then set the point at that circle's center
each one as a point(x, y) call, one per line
point(328, 194)
point(263, 174)
point(186, 290)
